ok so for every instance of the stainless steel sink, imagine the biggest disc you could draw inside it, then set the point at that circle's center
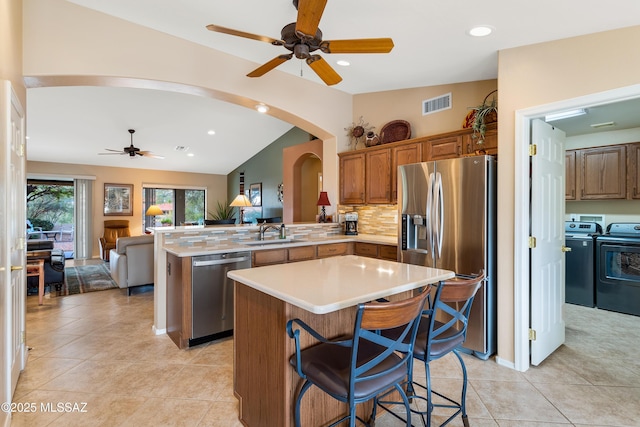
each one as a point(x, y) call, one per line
point(271, 242)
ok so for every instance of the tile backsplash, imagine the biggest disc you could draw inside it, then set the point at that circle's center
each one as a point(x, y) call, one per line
point(223, 236)
point(374, 219)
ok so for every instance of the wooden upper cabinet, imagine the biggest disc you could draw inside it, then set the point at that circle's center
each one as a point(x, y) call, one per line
point(378, 176)
point(447, 147)
point(403, 155)
point(489, 145)
point(352, 175)
point(633, 181)
point(370, 175)
point(603, 173)
point(570, 175)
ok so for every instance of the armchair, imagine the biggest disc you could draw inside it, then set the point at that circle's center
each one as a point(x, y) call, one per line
point(113, 229)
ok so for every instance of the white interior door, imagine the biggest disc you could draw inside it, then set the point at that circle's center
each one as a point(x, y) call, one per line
point(13, 225)
point(547, 226)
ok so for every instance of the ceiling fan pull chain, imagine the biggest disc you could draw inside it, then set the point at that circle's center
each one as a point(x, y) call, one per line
point(300, 68)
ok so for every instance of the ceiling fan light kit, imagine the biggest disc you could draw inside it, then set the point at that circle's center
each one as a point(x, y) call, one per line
point(303, 37)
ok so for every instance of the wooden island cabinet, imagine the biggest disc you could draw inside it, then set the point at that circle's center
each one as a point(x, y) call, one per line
point(267, 297)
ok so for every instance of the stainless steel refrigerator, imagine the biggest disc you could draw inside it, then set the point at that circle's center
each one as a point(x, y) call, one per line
point(447, 219)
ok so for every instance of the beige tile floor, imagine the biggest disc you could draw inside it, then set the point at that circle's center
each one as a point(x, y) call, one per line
point(98, 349)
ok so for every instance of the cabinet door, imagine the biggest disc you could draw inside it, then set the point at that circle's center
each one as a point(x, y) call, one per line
point(402, 155)
point(366, 249)
point(302, 253)
point(489, 144)
point(389, 252)
point(603, 173)
point(179, 299)
point(570, 175)
point(448, 147)
point(378, 176)
point(267, 257)
point(352, 167)
point(334, 249)
point(633, 156)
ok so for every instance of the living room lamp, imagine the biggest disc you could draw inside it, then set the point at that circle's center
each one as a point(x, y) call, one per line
point(241, 201)
point(323, 201)
point(154, 210)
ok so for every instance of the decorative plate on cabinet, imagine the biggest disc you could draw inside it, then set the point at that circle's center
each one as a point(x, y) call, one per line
point(397, 130)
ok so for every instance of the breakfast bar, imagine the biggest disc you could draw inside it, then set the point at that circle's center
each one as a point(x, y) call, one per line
point(322, 292)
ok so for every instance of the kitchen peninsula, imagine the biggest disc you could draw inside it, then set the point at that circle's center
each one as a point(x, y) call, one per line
point(322, 292)
point(191, 241)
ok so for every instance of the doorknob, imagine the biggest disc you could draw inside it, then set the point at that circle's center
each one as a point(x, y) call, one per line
point(566, 249)
point(16, 267)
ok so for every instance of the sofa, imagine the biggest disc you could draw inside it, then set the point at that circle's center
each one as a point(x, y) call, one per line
point(131, 262)
point(53, 263)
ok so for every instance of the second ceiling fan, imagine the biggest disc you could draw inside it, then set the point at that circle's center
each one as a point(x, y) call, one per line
point(304, 37)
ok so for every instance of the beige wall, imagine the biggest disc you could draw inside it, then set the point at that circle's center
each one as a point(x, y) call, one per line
point(11, 46)
point(533, 76)
point(379, 108)
point(216, 186)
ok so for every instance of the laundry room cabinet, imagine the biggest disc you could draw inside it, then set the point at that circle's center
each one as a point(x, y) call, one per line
point(598, 173)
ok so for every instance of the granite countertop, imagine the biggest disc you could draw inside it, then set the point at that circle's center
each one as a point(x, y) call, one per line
point(322, 290)
point(184, 251)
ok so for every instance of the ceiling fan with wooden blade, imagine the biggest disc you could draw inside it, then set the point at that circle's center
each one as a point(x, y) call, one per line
point(304, 37)
point(131, 150)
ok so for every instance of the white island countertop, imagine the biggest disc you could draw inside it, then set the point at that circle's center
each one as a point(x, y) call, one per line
point(325, 285)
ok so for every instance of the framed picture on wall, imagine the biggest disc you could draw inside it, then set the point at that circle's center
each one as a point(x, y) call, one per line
point(118, 199)
point(255, 194)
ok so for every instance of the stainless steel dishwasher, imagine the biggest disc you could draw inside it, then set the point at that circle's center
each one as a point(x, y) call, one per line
point(212, 294)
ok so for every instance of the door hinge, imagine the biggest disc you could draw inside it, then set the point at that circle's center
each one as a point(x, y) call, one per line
point(532, 334)
point(533, 150)
point(23, 337)
point(532, 242)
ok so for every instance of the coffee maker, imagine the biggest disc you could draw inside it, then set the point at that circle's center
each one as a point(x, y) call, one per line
point(351, 223)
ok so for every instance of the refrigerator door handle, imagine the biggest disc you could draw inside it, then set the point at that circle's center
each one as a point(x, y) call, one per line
point(438, 216)
point(429, 219)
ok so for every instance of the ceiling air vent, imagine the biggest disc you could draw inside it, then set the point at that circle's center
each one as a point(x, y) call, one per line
point(433, 105)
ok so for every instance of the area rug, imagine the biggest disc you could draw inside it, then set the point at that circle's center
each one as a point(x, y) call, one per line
point(87, 278)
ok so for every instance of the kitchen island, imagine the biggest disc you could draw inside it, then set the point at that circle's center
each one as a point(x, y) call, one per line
point(322, 292)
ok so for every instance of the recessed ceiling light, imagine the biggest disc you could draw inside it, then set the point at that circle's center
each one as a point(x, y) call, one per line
point(262, 108)
point(343, 63)
point(480, 31)
point(190, 154)
point(211, 132)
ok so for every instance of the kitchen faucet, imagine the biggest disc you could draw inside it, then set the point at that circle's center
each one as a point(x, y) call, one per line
point(264, 227)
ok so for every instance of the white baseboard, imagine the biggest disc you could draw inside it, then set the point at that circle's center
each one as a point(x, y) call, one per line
point(158, 331)
point(506, 363)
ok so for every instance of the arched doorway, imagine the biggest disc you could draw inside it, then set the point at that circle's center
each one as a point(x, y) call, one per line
point(301, 172)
